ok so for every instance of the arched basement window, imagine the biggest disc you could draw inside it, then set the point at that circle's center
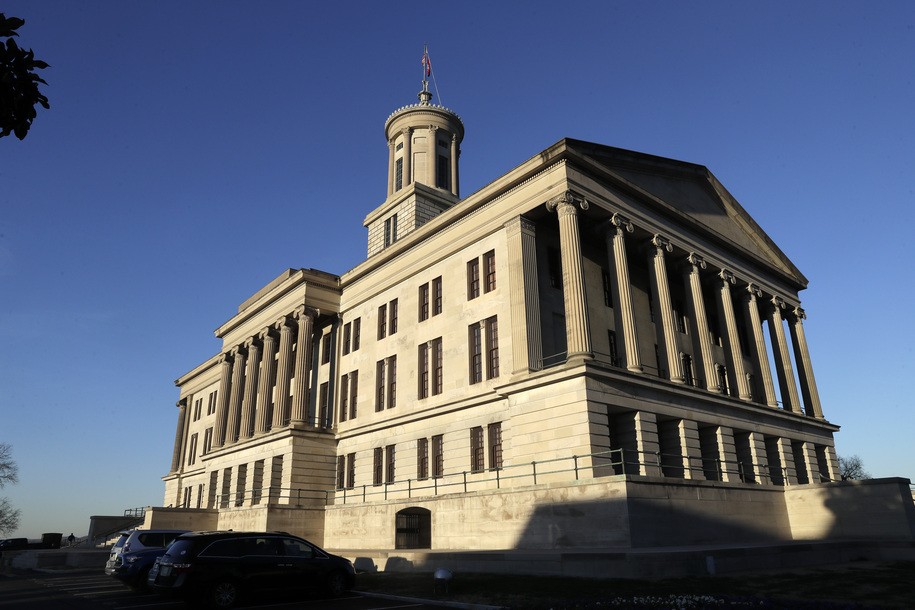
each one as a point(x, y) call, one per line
point(413, 529)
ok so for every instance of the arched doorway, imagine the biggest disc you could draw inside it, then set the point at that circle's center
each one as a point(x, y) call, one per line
point(413, 528)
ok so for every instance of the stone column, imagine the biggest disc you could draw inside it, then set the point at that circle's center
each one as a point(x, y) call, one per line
point(790, 400)
point(727, 454)
point(432, 165)
point(284, 363)
point(810, 462)
point(238, 388)
point(578, 337)
point(391, 164)
point(786, 457)
point(455, 153)
point(407, 156)
point(616, 242)
point(646, 436)
point(527, 348)
point(805, 366)
point(727, 306)
point(758, 455)
point(761, 356)
point(668, 326)
point(249, 402)
point(700, 320)
point(691, 449)
point(179, 434)
point(267, 377)
point(305, 317)
point(222, 401)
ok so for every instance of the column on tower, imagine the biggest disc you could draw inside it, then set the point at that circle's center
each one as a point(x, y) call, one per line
point(407, 156)
point(391, 164)
point(222, 401)
point(758, 348)
point(305, 316)
point(668, 329)
point(455, 151)
point(730, 321)
point(700, 319)
point(804, 365)
point(783, 368)
point(284, 363)
point(578, 337)
point(616, 250)
point(432, 162)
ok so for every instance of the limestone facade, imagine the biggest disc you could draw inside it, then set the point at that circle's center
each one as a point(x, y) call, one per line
point(593, 318)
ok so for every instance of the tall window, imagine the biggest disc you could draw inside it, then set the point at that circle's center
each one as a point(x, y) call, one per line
point(422, 459)
point(437, 296)
point(476, 354)
point(344, 397)
point(424, 302)
point(322, 405)
point(679, 316)
point(347, 337)
point(392, 317)
point(390, 230)
point(489, 266)
point(723, 379)
point(438, 457)
point(211, 402)
point(198, 408)
point(495, 446)
point(341, 471)
point(492, 348)
point(614, 354)
point(686, 361)
point(441, 178)
point(382, 321)
point(389, 464)
point(378, 466)
point(325, 349)
point(357, 329)
point(473, 279)
point(192, 450)
point(476, 449)
point(379, 385)
point(608, 295)
point(398, 174)
point(392, 382)
point(351, 470)
point(353, 393)
point(423, 372)
point(436, 366)
point(207, 440)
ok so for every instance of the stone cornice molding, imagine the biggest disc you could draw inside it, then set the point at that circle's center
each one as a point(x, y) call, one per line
point(565, 203)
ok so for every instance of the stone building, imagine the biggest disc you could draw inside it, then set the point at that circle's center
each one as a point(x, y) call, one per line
point(598, 350)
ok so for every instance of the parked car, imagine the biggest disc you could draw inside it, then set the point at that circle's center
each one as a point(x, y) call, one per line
point(135, 552)
point(13, 544)
point(220, 567)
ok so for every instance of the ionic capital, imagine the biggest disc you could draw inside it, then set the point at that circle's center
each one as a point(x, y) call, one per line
point(727, 277)
point(406, 131)
point(621, 223)
point(433, 128)
point(661, 243)
point(754, 290)
point(696, 261)
point(266, 334)
point(282, 323)
point(251, 342)
point(239, 350)
point(778, 302)
point(182, 404)
point(306, 311)
point(565, 203)
point(800, 313)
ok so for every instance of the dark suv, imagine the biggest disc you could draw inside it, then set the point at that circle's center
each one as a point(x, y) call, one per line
point(219, 567)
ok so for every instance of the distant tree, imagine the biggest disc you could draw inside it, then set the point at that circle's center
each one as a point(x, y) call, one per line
point(9, 473)
point(852, 468)
point(18, 81)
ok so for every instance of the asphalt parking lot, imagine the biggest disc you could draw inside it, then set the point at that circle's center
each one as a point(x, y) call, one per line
point(90, 590)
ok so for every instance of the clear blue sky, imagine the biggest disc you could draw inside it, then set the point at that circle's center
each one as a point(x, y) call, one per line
point(194, 150)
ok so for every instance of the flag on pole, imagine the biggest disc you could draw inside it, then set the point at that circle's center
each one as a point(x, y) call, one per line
point(427, 63)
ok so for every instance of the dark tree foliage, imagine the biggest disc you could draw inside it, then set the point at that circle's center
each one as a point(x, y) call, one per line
point(852, 468)
point(18, 81)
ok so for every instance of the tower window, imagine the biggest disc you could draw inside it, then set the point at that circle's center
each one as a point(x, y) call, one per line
point(441, 178)
point(398, 173)
point(390, 230)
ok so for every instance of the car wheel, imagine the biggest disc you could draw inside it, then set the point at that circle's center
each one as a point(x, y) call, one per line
point(336, 584)
point(224, 594)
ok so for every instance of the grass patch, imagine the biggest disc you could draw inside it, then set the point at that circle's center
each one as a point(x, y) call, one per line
point(856, 585)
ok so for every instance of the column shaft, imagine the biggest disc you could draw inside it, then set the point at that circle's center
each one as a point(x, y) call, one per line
point(455, 153)
point(805, 366)
point(578, 338)
point(668, 326)
point(249, 402)
point(238, 387)
point(626, 316)
point(790, 400)
point(222, 401)
point(527, 348)
point(391, 165)
point(761, 356)
point(407, 156)
point(267, 377)
point(727, 306)
point(283, 365)
point(306, 318)
point(179, 435)
point(432, 163)
point(700, 320)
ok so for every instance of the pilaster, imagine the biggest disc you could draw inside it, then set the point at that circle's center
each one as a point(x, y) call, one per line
point(646, 435)
point(727, 455)
point(690, 449)
point(527, 348)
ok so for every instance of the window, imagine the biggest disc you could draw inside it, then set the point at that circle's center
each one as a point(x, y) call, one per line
point(423, 370)
point(476, 354)
point(686, 362)
point(207, 440)
point(436, 366)
point(390, 230)
point(378, 466)
point(211, 403)
point(379, 385)
point(322, 402)
point(392, 317)
point(392, 382)
point(473, 279)
point(650, 306)
point(353, 393)
point(437, 296)
point(438, 457)
point(614, 353)
point(608, 295)
point(325, 349)
point(423, 302)
point(351, 470)
point(723, 378)
point(382, 321)
point(492, 348)
point(489, 267)
point(422, 459)
point(347, 336)
point(198, 407)
point(476, 449)
point(357, 327)
point(554, 266)
point(389, 464)
point(344, 397)
point(679, 316)
point(341, 471)
point(495, 446)
point(192, 450)
point(398, 173)
point(441, 178)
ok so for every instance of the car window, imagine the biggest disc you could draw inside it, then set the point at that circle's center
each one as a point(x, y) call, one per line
point(180, 549)
point(297, 548)
point(121, 541)
point(265, 546)
point(227, 547)
point(153, 539)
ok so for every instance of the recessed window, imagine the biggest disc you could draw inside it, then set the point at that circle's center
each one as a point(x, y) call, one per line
point(390, 230)
point(495, 445)
point(473, 279)
point(398, 172)
point(438, 457)
point(422, 459)
point(437, 296)
point(476, 449)
point(489, 267)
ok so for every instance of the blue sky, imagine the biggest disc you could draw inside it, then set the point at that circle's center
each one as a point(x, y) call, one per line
point(194, 150)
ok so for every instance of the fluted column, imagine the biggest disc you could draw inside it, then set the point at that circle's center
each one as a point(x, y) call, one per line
point(727, 305)
point(805, 366)
point(790, 400)
point(761, 356)
point(432, 164)
point(391, 164)
point(179, 434)
point(700, 320)
point(616, 242)
point(222, 401)
point(527, 348)
point(249, 402)
point(305, 317)
point(668, 328)
point(407, 156)
point(265, 385)
point(238, 388)
point(578, 339)
point(455, 152)
point(283, 365)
